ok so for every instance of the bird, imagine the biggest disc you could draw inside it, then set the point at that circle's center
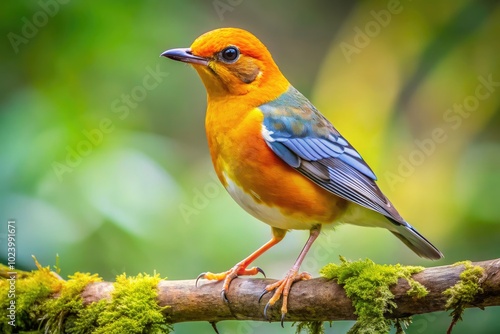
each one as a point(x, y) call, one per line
point(279, 158)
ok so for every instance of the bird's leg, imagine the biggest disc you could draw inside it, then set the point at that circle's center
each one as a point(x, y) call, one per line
point(241, 268)
point(282, 287)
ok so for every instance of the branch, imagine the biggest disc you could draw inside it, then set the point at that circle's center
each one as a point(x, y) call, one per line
point(313, 300)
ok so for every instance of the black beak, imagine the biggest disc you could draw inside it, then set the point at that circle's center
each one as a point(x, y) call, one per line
point(185, 55)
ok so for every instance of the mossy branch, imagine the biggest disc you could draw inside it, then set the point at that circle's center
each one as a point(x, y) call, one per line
point(407, 291)
point(318, 299)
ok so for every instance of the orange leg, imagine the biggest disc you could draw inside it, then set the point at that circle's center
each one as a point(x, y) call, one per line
point(282, 287)
point(241, 267)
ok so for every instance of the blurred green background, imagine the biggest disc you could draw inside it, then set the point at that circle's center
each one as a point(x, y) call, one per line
point(104, 158)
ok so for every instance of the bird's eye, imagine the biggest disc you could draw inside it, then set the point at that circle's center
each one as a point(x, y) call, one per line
point(230, 54)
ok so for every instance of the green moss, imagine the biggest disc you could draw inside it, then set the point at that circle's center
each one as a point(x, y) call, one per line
point(367, 285)
point(67, 304)
point(31, 290)
point(133, 308)
point(46, 302)
point(86, 320)
point(400, 324)
point(464, 291)
point(311, 327)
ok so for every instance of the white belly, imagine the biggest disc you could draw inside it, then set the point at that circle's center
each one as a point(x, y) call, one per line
point(269, 215)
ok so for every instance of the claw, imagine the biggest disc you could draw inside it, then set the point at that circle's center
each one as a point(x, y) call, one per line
point(261, 271)
point(265, 312)
point(224, 297)
point(202, 275)
point(281, 290)
point(262, 295)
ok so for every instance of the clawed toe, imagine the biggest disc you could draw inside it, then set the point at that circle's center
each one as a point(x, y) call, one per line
point(202, 275)
point(262, 294)
point(265, 312)
point(228, 276)
point(261, 271)
point(281, 290)
point(224, 296)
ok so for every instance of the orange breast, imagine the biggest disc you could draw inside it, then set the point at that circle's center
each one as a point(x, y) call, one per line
point(241, 157)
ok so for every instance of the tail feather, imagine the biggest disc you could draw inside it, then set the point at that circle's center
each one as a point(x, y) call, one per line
point(415, 241)
point(358, 215)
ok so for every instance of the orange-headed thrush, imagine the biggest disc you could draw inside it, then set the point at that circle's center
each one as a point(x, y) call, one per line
point(279, 157)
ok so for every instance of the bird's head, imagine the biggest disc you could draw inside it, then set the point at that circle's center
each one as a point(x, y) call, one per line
point(233, 62)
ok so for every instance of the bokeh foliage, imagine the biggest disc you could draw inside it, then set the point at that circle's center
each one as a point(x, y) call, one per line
point(140, 194)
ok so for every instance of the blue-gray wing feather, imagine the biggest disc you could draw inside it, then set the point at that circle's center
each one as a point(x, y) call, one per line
point(308, 142)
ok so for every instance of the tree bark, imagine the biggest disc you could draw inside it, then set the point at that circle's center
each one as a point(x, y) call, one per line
point(317, 299)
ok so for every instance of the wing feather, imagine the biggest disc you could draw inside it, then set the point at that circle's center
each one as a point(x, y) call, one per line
point(308, 142)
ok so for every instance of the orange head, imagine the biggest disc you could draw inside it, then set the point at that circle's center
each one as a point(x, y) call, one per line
point(233, 62)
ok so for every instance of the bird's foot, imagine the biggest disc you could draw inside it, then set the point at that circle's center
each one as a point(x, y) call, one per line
point(227, 276)
point(282, 289)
